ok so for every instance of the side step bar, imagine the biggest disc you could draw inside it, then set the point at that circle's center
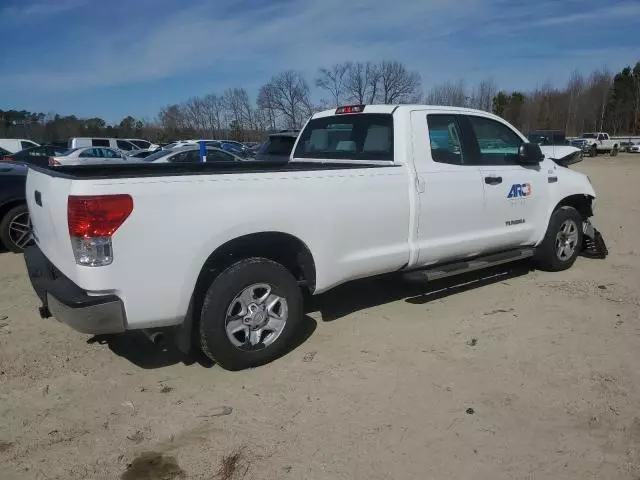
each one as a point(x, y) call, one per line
point(456, 268)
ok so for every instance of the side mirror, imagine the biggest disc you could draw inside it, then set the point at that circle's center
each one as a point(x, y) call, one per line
point(530, 154)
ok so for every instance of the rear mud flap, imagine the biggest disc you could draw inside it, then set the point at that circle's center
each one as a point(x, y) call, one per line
point(593, 245)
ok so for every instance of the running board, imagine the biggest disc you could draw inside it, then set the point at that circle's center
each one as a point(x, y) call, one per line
point(456, 268)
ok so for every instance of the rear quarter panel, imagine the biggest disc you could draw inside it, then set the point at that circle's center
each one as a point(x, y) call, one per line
point(354, 221)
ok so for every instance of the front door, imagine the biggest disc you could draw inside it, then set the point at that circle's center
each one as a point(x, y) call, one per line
point(449, 190)
point(512, 192)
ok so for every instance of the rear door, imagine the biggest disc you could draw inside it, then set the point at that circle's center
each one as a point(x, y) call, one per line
point(512, 192)
point(449, 189)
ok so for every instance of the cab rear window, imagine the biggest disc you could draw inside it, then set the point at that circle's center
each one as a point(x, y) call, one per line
point(367, 136)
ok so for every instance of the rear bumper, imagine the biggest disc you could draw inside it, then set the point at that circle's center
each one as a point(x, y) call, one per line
point(68, 303)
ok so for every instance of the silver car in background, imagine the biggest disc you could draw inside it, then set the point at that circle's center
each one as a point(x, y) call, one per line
point(88, 156)
point(191, 154)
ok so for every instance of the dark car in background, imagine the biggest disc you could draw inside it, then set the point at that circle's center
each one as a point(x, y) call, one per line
point(548, 137)
point(277, 147)
point(38, 156)
point(15, 226)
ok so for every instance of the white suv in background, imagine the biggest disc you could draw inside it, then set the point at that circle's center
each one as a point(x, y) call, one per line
point(120, 144)
point(143, 144)
point(14, 145)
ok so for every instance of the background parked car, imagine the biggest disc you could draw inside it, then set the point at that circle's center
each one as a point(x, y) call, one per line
point(235, 147)
point(277, 148)
point(140, 154)
point(191, 154)
point(115, 143)
point(87, 156)
point(143, 144)
point(36, 155)
point(548, 137)
point(15, 226)
point(635, 148)
point(13, 145)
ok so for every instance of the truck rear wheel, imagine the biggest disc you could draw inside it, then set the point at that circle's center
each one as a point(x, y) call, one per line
point(562, 242)
point(614, 151)
point(250, 314)
point(594, 151)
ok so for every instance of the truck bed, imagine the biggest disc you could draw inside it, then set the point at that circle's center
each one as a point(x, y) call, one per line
point(139, 170)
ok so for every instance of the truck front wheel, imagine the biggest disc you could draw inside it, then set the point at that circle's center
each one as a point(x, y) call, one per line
point(250, 314)
point(562, 242)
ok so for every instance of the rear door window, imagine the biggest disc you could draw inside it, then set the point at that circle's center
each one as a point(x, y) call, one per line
point(445, 139)
point(219, 156)
point(90, 153)
point(27, 144)
point(366, 137)
point(99, 142)
point(141, 143)
point(124, 145)
point(108, 153)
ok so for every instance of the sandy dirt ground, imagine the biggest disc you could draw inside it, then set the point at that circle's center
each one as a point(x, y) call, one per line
point(507, 374)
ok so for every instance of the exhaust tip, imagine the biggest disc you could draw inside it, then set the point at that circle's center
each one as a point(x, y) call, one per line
point(157, 338)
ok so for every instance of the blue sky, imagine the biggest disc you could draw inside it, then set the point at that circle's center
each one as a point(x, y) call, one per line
point(119, 57)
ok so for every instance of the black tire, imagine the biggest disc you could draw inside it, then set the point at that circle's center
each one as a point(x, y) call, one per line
point(5, 222)
point(547, 256)
point(614, 152)
point(218, 299)
point(594, 151)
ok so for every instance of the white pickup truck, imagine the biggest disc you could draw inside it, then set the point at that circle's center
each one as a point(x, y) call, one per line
point(219, 253)
point(595, 143)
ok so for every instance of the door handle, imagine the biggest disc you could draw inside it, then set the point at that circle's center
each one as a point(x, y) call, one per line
point(492, 180)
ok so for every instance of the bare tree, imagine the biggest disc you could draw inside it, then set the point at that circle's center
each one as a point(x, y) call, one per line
point(171, 118)
point(575, 89)
point(266, 106)
point(397, 84)
point(194, 114)
point(482, 96)
point(362, 82)
point(450, 94)
point(599, 84)
point(333, 81)
point(288, 94)
point(213, 110)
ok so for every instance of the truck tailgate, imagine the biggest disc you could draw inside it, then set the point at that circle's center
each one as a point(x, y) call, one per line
point(47, 202)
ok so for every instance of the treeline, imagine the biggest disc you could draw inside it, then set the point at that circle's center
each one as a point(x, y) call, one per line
point(593, 102)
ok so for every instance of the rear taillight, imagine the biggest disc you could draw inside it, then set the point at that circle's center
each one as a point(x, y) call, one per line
point(92, 222)
point(7, 158)
point(53, 162)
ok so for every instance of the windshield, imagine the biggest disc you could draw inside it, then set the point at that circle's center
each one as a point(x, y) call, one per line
point(277, 145)
point(588, 135)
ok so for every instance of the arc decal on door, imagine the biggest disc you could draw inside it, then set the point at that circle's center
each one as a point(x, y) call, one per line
point(520, 190)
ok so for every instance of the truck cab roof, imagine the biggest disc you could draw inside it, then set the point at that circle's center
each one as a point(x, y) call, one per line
point(392, 109)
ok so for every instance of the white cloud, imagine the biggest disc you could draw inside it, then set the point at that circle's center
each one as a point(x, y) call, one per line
point(219, 40)
point(26, 10)
point(301, 35)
